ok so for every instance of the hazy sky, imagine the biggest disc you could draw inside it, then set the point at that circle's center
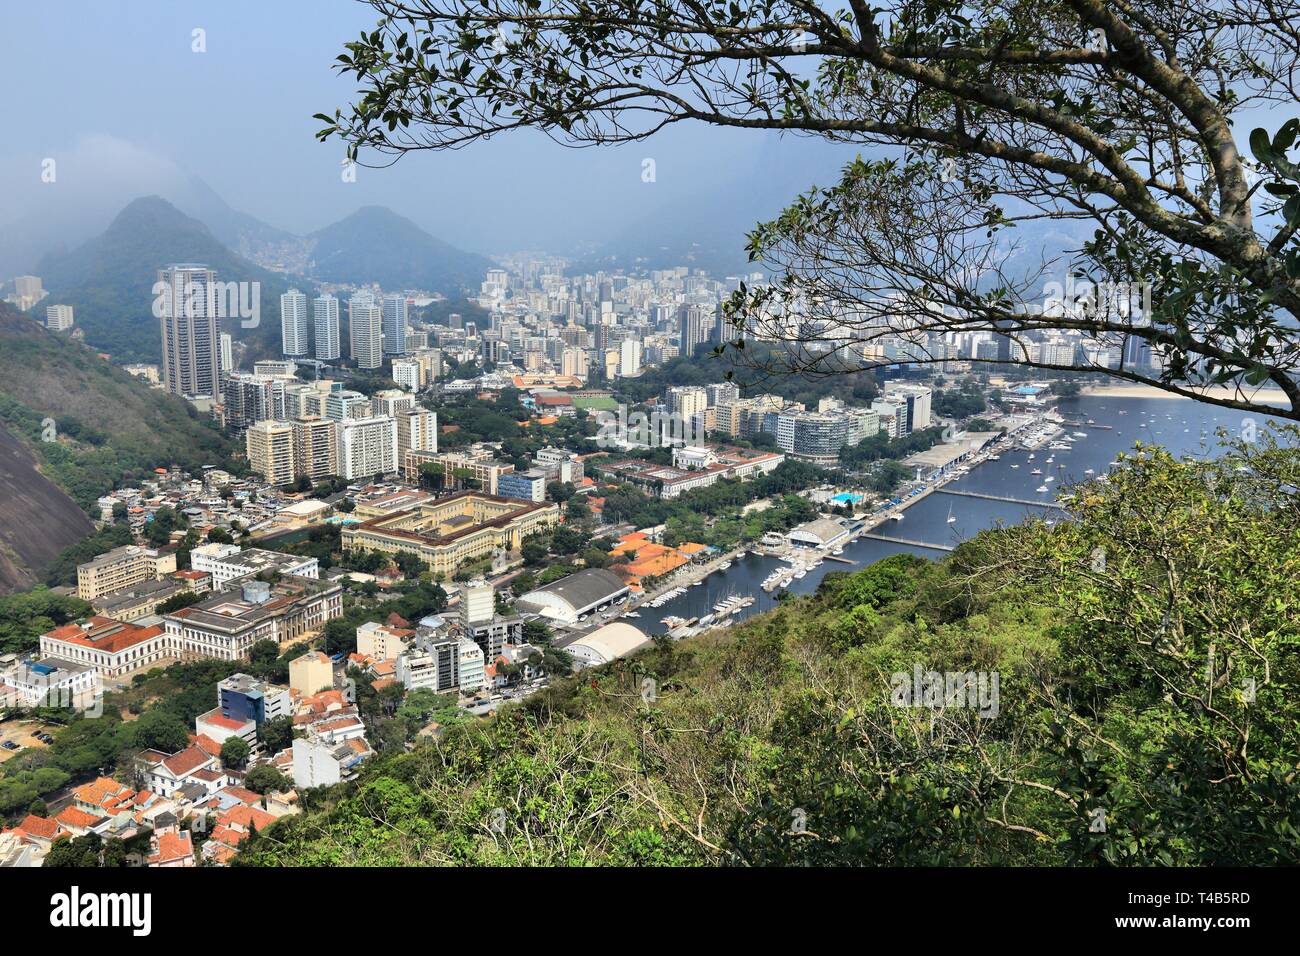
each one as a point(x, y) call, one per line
point(112, 90)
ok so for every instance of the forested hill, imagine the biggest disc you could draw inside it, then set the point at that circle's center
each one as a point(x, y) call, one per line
point(109, 281)
point(108, 428)
point(1123, 728)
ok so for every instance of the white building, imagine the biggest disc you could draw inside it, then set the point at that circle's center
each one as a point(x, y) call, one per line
point(225, 562)
point(58, 318)
point(293, 323)
point(614, 640)
point(327, 328)
point(367, 447)
point(408, 373)
point(365, 328)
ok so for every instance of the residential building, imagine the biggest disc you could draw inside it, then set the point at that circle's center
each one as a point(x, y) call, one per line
point(394, 322)
point(417, 430)
point(311, 673)
point(326, 309)
point(271, 452)
point(367, 447)
point(365, 328)
point(409, 374)
point(293, 323)
point(250, 397)
point(190, 304)
point(315, 448)
point(58, 318)
point(122, 568)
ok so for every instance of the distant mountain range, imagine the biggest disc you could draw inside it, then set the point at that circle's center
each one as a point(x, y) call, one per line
point(109, 279)
point(375, 244)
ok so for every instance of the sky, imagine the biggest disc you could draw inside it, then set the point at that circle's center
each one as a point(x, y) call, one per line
point(112, 90)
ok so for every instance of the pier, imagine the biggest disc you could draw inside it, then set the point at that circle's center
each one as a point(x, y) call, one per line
point(909, 543)
point(835, 557)
point(1014, 501)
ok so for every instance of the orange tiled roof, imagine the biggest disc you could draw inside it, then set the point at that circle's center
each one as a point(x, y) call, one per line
point(72, 817)
point(173, 845)
point(42, 827)
point(186, 761)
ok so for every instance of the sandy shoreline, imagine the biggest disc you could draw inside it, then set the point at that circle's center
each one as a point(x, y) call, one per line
point(1272, 396)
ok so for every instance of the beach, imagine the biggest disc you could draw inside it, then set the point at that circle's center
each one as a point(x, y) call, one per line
point(1271, 396)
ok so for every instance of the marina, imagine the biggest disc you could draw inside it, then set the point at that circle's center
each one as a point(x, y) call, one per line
point(994, 487)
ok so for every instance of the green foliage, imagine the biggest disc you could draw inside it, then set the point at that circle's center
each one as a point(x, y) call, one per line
point(25, 617)
point(264, 778)
point(235, 752)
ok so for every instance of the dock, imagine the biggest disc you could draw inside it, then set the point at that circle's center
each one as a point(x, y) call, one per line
point(1015, 501)
point(909, 542)
point(834, 557)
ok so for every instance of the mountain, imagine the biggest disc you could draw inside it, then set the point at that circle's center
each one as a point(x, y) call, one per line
point(375, 244)
point(109, 281)
point(246, 235)
point(109, 428)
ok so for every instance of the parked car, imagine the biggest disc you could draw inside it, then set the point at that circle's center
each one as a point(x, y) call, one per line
point(10, 745)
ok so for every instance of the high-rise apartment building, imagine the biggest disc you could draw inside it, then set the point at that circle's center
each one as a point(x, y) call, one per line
point(270, 448)
point(315, 447)
point(365, 330)
point(326, 312)
point(691, 328)
point(249, 397)
point(293, 323)
point(394, 325)
point(187, 302)
point(417, 430)
point(367, 447)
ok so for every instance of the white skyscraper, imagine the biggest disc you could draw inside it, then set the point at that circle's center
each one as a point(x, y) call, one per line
point(293, 322)
point(327, 328)
point(394, 325)
point(365, 322)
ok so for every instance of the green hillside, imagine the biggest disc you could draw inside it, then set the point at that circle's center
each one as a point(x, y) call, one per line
point(375, 244)
point(111, 427)
point(1145, 713)
point(109, 281)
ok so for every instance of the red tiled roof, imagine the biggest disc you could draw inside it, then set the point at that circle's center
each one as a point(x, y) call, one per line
point(72, 817)
point(42, 827)
point(173, 845)
point(114, 636)
point(186, 761)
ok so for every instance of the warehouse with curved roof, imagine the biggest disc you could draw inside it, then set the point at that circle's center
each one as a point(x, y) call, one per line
point(614, 640)
point(575, 596)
